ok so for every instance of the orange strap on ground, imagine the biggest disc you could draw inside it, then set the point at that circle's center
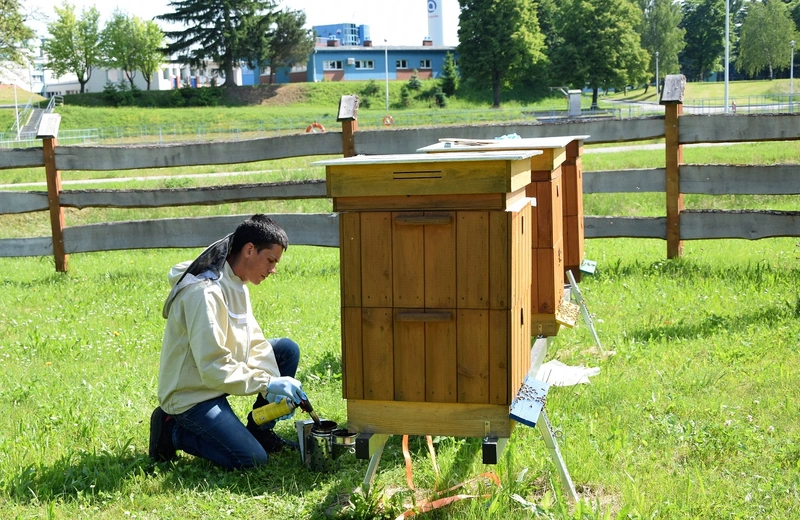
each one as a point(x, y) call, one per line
point(426, 506)
point(433, 454)
point(407, 457)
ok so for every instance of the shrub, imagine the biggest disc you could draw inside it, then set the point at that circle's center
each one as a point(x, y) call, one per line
point(449, 76)
point(413, 82)
point(440, 97)
point(405, 96)
point(121, 94)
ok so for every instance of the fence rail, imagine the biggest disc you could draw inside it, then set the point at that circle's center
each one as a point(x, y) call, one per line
point(322, 229)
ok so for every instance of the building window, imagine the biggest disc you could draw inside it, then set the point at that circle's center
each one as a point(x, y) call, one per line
point(401, 64)
point(425, 64)
point(332, 65)
point(365, 64)
point(165, 73)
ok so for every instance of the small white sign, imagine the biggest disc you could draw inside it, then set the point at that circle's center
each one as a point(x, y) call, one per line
point(48, 126)
point(588, 266)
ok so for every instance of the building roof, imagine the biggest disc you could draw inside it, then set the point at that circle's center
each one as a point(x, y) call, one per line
point(382, 48)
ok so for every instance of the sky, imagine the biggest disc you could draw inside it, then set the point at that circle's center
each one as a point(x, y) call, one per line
point(400, 22)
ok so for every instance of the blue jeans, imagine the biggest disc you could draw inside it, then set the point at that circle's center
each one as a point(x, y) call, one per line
point(212, 430)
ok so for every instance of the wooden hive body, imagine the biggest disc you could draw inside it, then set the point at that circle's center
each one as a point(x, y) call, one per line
point(436, 290)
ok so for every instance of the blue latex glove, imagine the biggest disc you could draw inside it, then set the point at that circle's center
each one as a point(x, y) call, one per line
point(275, 398)
point(288, 387)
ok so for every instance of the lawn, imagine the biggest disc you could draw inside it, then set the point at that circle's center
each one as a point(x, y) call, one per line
point(693, 413)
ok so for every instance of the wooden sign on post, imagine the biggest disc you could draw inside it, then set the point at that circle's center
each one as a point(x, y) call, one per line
point(672, 99)
point(348, 115)
point(48, 126)
point(48, 133)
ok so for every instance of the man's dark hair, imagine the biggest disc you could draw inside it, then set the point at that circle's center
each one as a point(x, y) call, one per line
point(262, 231)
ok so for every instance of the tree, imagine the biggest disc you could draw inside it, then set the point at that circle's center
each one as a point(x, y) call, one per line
point(764, 38)
point(449, 75)
point(151, 50)
point(289, 42)
point(74, 43)
point(14, 34)
point(662, 34)
point(498, 39)
point(598, 45)
point(119, 41)
point(225, 31)
point(704, 22)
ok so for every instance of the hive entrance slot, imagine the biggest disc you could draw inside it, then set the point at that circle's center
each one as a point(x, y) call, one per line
point(424, 174)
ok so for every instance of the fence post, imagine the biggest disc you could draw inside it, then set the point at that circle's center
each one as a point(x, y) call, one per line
point(53, 198)
point(348, 112)
point(672, 99)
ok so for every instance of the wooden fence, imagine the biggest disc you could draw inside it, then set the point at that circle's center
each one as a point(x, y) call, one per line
point(322, 229)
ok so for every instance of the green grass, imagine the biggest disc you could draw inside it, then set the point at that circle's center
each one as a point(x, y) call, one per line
point(693, 416)
point(697, 90)
point(320, 101)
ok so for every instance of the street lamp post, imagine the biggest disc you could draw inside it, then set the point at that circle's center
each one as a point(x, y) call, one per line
point(386, 62)
point(791, 79)
point(16, 109)
point(657, 81)
point(727, 49)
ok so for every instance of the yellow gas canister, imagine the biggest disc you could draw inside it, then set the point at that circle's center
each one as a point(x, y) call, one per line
point(272, 411)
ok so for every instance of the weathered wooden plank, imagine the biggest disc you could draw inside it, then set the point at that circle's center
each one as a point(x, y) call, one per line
point(626, 181)
point(22, 201)
point(472, 352)
point(720, 128)
point(303, 229)
point(377, 330)
point(499, 364)
point(719, 179)
point(408, 265)
point(635, 227)
point(18, 247)
point(501, 261)
point(352, 354)
point(472, 263)
point(439, 253)
point(446, 419)
point(223, 152)
point(205, 196)
point(374, 142)
point(441, 361)
point(21, 158)
point(376, 259)
point(409, 360)
point(350, 259)
point(752, 225)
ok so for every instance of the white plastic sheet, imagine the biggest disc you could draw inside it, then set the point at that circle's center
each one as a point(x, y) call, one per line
point(557, 373)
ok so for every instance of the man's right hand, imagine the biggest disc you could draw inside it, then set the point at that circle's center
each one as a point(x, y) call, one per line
point(288, 386)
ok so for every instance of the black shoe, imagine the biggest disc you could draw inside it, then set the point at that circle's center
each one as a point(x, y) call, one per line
point(271, 441)
point(161, 447)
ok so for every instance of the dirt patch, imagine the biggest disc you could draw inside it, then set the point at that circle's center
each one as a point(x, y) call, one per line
point(269, 95)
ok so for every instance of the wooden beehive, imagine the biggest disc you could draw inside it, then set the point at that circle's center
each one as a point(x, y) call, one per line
point(436, 288)
point(556, 184)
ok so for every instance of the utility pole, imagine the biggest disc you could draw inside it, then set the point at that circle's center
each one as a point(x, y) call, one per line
point(386, 60)
point(791, 79)
point(657, 80)
point(727, 49)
